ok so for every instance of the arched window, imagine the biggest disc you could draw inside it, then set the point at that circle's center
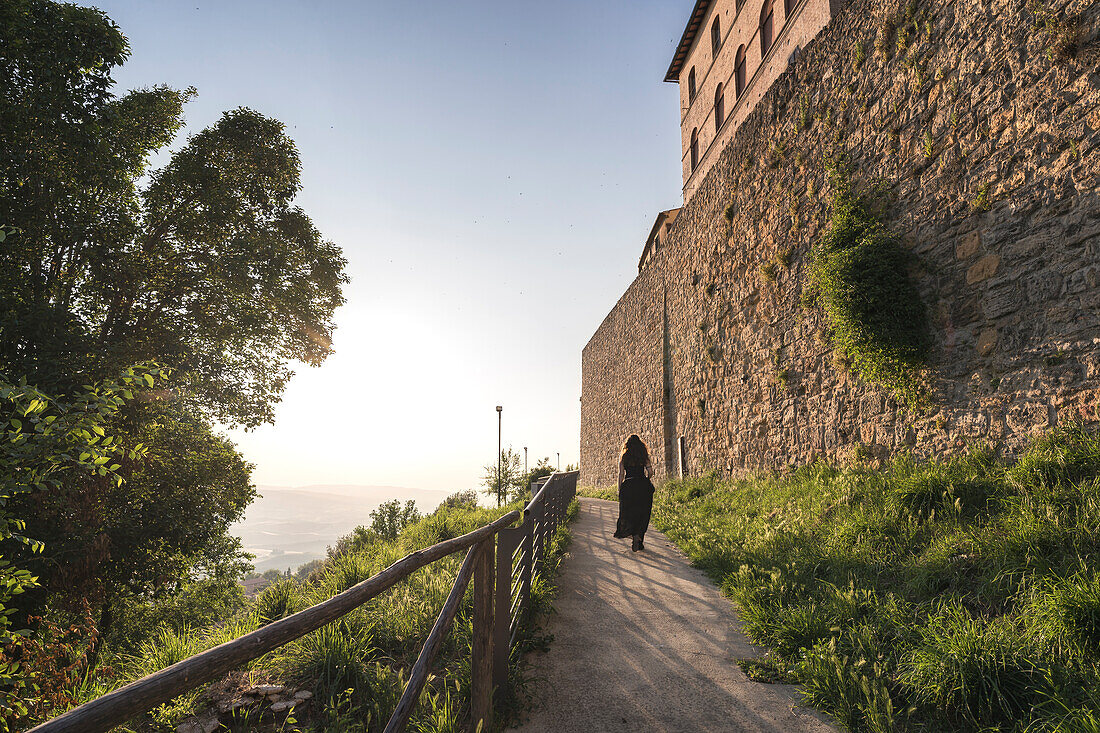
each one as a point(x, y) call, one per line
point(740, 78)
point(691, 84)
point(694, 148)
point(719, 109)
point(715, 38)
point(767, 28)
point(788, 6)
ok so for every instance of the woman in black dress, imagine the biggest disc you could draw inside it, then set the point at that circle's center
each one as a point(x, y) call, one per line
point(635, 492)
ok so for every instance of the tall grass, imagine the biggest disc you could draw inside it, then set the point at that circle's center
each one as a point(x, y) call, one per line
point(357, 666)
point(955, 595)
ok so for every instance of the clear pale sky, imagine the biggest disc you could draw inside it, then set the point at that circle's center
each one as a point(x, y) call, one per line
point(491, 171)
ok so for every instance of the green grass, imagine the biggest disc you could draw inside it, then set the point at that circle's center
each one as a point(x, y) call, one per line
point(358, 665)
point(957, 595)
point(608, 493)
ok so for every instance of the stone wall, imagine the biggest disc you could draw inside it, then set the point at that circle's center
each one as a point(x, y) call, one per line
point(978, 123)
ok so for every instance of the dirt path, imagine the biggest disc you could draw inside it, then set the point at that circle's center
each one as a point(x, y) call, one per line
point(643, 642)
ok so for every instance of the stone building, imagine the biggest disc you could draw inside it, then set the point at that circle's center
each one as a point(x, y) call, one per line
point(730, 53)
point(976, 124)
point(657, 235)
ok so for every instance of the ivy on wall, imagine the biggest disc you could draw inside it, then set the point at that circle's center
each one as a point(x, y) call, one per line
point(860, 274)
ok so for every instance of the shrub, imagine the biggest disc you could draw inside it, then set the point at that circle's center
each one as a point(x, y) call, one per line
point(878, 320)
point(278, 600)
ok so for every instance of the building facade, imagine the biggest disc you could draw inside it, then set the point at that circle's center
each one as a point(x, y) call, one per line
point(657, 236)
point(715, 358)
point(730, 54)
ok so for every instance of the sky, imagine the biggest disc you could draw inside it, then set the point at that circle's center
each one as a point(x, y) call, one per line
point(491, 170)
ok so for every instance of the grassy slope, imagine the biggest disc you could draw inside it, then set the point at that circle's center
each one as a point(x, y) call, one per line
point(357, 665)
point(961, 595)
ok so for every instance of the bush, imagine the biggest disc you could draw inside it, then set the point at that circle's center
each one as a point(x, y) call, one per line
point(874, 309)
point(279, 600)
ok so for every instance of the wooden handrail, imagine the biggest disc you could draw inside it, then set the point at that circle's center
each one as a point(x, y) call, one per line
point(117, 707)
point(494, 621)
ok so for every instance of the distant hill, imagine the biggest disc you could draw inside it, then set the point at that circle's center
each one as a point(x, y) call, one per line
point(288, 526)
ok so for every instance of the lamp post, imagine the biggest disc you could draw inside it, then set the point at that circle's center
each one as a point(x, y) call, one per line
point(559, 460)
point(525, 459)
point(500, 409)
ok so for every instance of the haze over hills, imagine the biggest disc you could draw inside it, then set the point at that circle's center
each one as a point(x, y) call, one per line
point(287, 526)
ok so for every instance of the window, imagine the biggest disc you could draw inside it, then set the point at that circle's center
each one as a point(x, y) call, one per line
point(788, 7)
point(715, 38)
point(740, 4)
point(739, 76)
point(695, 148)
point(767, 28)
point(719, 109)
point(691, 84)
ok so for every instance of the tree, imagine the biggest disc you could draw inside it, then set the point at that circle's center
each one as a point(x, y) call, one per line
point(390, 518)
point(209, 267)
point(43, 437)
point(540, 469)
point(466, 499)
point(504, 479)
point(205, 265)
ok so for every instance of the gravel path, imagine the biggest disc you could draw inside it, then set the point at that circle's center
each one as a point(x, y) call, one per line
point(643, 642)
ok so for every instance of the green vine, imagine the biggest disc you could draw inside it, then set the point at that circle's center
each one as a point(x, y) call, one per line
point(878, 321)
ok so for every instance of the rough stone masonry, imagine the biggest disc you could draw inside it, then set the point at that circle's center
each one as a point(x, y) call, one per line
point(977, 123)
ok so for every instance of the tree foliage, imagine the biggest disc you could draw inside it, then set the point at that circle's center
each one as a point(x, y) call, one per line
point(503, 481)
point(391, 517)
point(43, 438)
point(204, 265)
point(208, 267)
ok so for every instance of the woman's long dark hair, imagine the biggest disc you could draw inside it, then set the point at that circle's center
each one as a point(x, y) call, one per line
point(634, 452)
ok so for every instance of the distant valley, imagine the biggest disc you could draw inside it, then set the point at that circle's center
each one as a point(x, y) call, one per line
point(288, 526)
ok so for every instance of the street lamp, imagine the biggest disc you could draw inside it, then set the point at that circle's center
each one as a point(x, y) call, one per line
point(525, 459)
point(500, 409)
point(559, 460)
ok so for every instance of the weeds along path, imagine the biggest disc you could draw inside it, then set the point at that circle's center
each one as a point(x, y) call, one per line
point(645, 642)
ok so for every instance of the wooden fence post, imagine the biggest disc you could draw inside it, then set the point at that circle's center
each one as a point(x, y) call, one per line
point(502, 615)
point(528, 559)
point(481, 665)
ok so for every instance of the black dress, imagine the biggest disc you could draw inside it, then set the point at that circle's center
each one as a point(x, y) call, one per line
point(635, 503)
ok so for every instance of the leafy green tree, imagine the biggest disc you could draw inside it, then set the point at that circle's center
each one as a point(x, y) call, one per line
point(305, 570)
point(459, 500)
point(540, 469)
point(502, 480)
point(207, 267)
point(204, 265)
point(42, 438)
point(391, 517)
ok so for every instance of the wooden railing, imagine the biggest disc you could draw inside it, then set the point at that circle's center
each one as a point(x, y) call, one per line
point(496, 619)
